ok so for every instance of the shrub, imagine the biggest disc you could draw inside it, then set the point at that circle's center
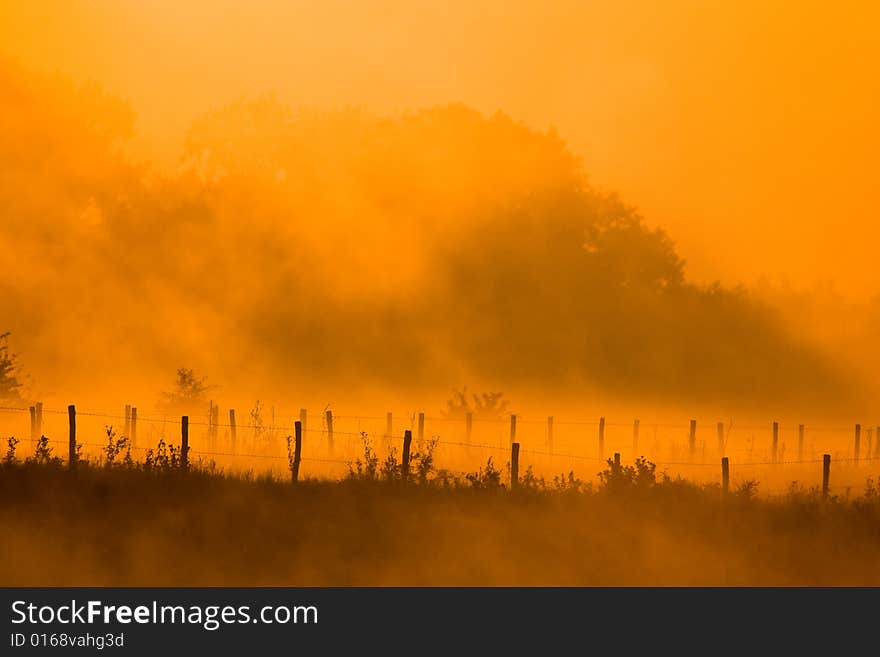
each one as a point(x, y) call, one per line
point(640, 476)
point(11, 442)
point(391, 470)
point(488, 478)
point(422, 463)
point(747, 490)
point(569, 484)
point(528, 481)
point(116, 446)
point(43, 454)
point(368, 468)
point(165, 458)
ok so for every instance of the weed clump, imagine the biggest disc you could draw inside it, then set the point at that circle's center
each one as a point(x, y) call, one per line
point(618, 478)
point(9, 458)
point(488, 478)
point(117, 445)
point(420, 471)
point(165, 458)
point(43, 454)
point(367, 469)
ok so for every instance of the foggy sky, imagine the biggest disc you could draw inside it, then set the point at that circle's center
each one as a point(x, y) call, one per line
point(747, 130)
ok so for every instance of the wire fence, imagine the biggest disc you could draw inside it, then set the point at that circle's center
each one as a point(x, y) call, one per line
point(549, 447)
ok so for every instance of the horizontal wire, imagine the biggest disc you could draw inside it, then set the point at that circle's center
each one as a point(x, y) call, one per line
point(324, 431)
point(501, 420)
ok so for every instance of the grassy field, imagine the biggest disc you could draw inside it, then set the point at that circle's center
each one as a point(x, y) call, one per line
point(125, 525)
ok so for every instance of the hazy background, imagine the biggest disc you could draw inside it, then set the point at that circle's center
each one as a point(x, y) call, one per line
point(173, 215)
point(747, 129)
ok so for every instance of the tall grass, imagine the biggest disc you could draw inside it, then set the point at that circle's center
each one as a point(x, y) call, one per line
point(115, 520)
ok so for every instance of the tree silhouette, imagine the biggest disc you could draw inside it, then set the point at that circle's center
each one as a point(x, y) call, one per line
point(484, 405)
point(311, 237)
point(189, 390)
point(10, 386)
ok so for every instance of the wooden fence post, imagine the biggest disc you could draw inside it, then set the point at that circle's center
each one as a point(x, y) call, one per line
point(616, 463)
point(126, 428)
point(134, 425)
point(215, 421)
point(33, 412)
point(635, 437)
point(719, 428)
point(297, 450)
point(468, 426)
point(512, 429)
point(725, 476)
point(774, 450)
point(233, 431)
point(71, 443)
point(826, 474)
point(421, 434)
point(211, 423)
point(601, 437)
point(800, 442)
point(514, 466)
point(38, 411)
point(692, 438)
point(856, 444)
point(329, 416)
point(407, 441)
point(184, 442)
point(550, 434)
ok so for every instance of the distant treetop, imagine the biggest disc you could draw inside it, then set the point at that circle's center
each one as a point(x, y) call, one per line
point(10, 386)
point(189, 390)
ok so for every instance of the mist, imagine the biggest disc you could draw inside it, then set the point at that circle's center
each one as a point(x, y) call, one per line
point(745, 130)
point(295, 251)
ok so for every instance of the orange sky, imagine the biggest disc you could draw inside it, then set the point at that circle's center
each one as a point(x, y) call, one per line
point(747, 129)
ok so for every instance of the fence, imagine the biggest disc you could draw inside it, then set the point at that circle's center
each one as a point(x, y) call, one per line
point(326, 446)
